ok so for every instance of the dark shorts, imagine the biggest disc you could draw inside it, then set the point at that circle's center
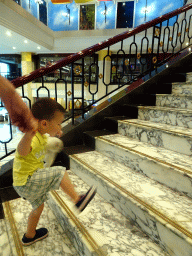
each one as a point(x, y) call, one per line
point(40, 183)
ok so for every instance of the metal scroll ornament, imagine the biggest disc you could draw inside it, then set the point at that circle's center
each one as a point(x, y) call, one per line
point(86, 84)
point(157, 32)
point(77, 70)
point(126, 62)
point(154, 60)
point(100, 76)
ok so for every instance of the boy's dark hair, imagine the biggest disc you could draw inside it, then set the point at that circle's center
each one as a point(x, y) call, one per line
point(45, 108)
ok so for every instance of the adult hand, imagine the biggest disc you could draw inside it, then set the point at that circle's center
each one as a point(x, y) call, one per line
point(20, 114)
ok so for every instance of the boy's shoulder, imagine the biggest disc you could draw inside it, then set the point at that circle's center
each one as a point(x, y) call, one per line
point(39, 139)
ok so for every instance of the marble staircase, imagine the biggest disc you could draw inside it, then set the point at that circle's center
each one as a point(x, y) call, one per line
point(143, 172)
point(143, 176)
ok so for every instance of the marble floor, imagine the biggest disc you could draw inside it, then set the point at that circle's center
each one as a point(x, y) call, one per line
point(57, 242)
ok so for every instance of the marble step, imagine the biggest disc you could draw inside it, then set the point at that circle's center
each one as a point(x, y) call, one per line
point(170, 137)
point(165, 166)
point(165, 115)
point(161, 213)
point(113, 234)
point(174, 101)
point(5, 247)
point(184, 88)
point(15, 224)
point(189, 77)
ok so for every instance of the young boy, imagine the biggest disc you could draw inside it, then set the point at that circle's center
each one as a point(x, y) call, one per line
point(30, 179)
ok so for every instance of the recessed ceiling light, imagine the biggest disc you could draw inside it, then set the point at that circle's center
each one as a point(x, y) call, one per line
point(25, 41)
point(8, 33)
point(14, 47)
point(187, 43)
point(38, 47)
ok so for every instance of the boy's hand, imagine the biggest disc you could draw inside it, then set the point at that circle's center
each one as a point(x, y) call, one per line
point(59, 134)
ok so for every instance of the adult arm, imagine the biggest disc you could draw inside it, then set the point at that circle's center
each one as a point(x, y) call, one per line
point(19, 113)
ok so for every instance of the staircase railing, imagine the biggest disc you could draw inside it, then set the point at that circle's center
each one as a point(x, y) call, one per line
point(138, 52)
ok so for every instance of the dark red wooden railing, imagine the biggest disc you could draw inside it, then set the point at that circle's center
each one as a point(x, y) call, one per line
point(97, 47)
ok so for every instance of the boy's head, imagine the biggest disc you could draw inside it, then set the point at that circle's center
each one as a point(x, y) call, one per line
point(50, 115)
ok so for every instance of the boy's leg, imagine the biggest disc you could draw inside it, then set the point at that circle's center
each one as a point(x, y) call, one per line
point(82, 201)
point(33, 221)
point(68, 188)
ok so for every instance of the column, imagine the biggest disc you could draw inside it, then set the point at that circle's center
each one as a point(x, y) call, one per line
point(27, 67)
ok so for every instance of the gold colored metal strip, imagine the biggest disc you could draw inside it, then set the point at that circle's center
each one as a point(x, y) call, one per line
point(149, 207)
point(151, 157)
point(153, 127)
point(78, 224)
point(165, 109)
point(18, 245)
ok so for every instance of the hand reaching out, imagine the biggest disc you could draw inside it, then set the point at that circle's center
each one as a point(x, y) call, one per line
point(19, 113)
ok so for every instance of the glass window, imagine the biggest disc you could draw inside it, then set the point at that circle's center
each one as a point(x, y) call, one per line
point(87, 17)
point(17, 1)
point(43, 12)
point(125, 11)
point(45, 61)
point(4, 69)
point(10, 66)
point(125, 69)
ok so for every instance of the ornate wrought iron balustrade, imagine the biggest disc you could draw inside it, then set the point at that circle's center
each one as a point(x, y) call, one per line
point(130, 55)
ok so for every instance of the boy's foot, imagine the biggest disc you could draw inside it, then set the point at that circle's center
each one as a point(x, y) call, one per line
point(86, 199)
point(41, 233)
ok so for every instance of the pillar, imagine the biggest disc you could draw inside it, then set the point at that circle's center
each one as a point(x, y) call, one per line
point(27, 67)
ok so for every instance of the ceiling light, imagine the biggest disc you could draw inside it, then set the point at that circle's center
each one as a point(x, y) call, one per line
point(14, 47)
point(187, 43)
point(25, 41)
point(8, 33)
point(189, 49)
point(38, 47)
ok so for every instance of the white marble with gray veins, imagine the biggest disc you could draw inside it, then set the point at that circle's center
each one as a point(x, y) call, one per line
point(165, 115)
point(5, 248)
point(57, 242)
point(174, 138)
point(171, 204)
point(174, 101)
point(109, 228)
point(183, 87)
point(157, 163)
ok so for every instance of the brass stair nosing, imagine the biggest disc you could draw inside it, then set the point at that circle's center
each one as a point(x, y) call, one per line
point(153, 127)
point(79, 225)
point(18, 245)
point(150, 208)
point(165, 109)
point(145, 155)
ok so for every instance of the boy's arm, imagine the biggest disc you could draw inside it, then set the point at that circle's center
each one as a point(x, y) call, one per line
point(24, 146)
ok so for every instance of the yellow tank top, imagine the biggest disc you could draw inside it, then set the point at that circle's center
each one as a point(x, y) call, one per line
point(25, 166)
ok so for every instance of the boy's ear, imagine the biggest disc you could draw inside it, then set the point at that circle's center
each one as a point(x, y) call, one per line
point(44, 123)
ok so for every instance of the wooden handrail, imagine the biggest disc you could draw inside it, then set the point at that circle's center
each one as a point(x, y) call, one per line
point(97, 47)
